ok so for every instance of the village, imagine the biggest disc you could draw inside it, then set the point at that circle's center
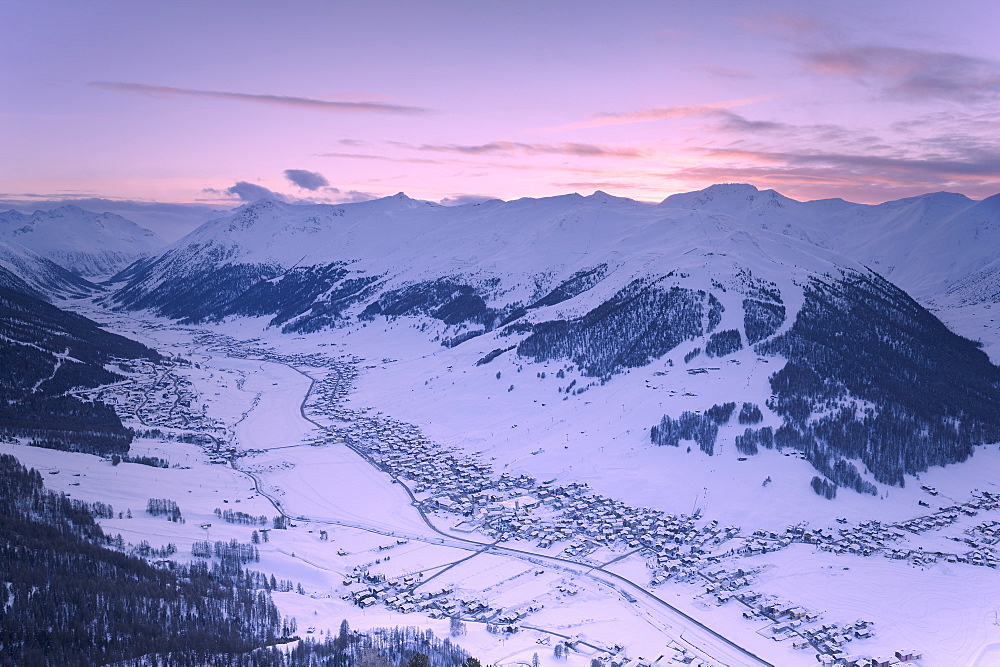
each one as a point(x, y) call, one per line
point(567, 520)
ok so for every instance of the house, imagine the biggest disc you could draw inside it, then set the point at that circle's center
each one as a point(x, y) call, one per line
point(884, 661)
point(856, 660)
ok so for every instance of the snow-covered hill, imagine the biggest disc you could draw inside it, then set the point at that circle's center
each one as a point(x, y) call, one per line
point(39, 276)
point(611, 295)
point(84, 243)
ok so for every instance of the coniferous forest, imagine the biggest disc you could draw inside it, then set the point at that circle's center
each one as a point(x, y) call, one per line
point(931, 396)
point(71, 599)
point(47, 352)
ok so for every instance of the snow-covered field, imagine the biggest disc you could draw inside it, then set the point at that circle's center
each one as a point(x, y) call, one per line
point(947, 610)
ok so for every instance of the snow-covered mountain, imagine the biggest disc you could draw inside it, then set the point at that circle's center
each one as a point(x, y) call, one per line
point(865, 384)
point(923, 244)
point(29, 272)
point(84, 243)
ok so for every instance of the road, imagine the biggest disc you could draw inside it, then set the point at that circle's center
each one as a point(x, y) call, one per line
point(670, 620)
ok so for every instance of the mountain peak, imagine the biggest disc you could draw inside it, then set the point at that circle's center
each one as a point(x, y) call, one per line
point(732, 189)
point(722, 197)
point(63, 211)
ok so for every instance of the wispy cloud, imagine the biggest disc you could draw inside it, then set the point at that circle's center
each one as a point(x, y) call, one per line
point(734, 122)
point(354, 196)
point(453, 162)
point(382, 158)
point(512, 147)
point(279, 100)
point(728, 72)
point(611, 186)
point(902, 167)
point(879, 177)
point(912, 74)
point(607, 118)
point(785, 25)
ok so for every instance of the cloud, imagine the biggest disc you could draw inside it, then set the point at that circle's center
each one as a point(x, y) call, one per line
point(609, 186)
point(855, 176)
point(280, 100)
point(606, 118)
point(354, 196)
point(911, 74)
point(734, 122)
point(507, 147)
point(970, 163)
point(244, 191)
point(462, 200)
point(462, 163)
point(249, 192)
point(728, 73)
point(307, 180)
point(383, 158)
point(252, 192)
point(785, 25)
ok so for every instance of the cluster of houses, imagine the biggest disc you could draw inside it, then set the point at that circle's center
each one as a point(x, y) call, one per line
point(897, 659)
point(408, 593)
point(514, 508)
point(875, 538)
point(864, 539)
point(791, 622)
point(579, 521)
point(157, 397)
point(723, 583)
point(831, 638)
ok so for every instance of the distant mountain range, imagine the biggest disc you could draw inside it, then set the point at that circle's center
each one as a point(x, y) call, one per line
point(46, 351)
point(867, 385)
point(89, 245)
point(29, 272)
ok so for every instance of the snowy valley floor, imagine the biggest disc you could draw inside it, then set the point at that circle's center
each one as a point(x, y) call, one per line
point(354, 527)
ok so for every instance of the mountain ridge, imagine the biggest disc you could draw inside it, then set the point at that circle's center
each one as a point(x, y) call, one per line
point(609, 288)
point(87, 244)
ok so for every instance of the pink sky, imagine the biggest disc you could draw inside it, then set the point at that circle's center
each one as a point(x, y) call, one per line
point(337, 101)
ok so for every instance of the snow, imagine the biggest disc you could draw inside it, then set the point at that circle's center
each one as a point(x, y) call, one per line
point(947, 610)
point(943, 609)
point(40, 274)
point(954, 604)
point(85, 243)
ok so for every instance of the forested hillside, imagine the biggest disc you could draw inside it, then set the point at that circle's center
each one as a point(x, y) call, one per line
point(72, 598)
point(47, 352)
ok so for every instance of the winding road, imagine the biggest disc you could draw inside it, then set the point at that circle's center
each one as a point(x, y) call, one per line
point(667, 618)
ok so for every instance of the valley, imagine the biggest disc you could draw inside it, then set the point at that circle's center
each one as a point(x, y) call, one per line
point(383, 525)
point(450, 334)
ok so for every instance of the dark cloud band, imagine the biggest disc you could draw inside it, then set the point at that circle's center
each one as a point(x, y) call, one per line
point(279, 100)
point(307, 180)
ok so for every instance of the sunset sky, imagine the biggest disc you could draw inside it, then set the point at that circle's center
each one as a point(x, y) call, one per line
point(221, 102)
